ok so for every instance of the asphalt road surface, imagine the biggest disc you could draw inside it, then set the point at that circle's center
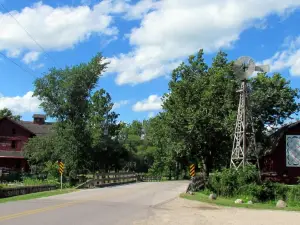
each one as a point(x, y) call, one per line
point(120, 205)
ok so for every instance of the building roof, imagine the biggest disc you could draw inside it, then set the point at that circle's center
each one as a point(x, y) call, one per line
point(37, 129)
point(39, 116)
point(278, 134)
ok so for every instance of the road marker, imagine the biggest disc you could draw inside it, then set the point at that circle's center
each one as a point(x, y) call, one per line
point(192, 170)
point(61, 167)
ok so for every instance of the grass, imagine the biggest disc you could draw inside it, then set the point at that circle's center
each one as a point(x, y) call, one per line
point(229, 202)
point(36, 195)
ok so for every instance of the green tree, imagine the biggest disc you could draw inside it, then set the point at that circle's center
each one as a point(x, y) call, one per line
point(202, 105)
point(273, 101)
point(104, 129)
point(5, 112)
point(167, 153)
point(66, 95)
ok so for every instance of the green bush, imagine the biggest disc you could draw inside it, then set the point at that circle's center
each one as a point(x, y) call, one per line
point(228, 182)
point(12, 177)
point(264, 192)
point(32, 182)
point(281, 191)
point(248, 175)
point(293, 195)
point(245, 183)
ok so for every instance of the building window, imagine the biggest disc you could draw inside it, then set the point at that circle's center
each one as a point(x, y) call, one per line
point(13, 144)
point(13, 131)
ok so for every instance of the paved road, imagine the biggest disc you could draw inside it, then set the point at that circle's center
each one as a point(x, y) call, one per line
point(121, 205)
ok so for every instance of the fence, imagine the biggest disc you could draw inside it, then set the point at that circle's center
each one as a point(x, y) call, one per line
point(110, 179)
point(145, 178)
point(9, 192)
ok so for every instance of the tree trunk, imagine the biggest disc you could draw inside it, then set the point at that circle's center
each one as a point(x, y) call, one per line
point(170, 173)
point(206, 167)
point(177, 171)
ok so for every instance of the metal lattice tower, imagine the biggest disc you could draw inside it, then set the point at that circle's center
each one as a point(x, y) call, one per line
point(244, 145)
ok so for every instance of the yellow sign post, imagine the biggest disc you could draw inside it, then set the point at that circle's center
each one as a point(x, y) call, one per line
point(61, 167)
point(192, 170)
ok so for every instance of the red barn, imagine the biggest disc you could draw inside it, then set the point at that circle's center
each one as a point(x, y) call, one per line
point(282, 161)
point(13, 136)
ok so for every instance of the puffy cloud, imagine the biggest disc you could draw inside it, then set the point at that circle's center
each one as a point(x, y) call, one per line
point(289, 58)
point(153, 102)
point(37, 66)
point(60, 28)
point(173, 29)
point(120, 104)
point(13, 53)
point(56, 28)
point(21, 104)
point(31, 57)
point(140, 9)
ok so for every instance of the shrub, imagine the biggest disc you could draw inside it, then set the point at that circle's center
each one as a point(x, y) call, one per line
point(32, 182)
point(12, 177)
point(281, 191)
point(248, 175)
point(293, 195)
point(264, 192)
point(246, 183)
point(228, 182)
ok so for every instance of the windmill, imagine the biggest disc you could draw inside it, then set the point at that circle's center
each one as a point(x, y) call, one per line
point(244, 144)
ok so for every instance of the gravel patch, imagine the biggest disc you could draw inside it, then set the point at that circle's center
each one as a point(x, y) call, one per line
point(186, 212)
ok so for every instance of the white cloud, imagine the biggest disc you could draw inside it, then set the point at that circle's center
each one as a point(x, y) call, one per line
point(21, 104)
point(31, 57)
point(57, 28)
point(120, 104)
point(140, 9)
point(176, 28)
point(62, 27)
point(153, 102)
point(288, 58)
point(13, 53)
point(37, 66)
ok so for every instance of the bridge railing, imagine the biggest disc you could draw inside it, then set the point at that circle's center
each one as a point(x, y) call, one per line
point(110, 179)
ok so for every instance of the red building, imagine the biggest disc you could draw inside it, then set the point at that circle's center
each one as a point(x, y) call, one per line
point(13, 136)
point(282, 161)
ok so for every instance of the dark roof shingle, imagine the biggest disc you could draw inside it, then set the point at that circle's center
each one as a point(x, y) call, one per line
point(37, 129)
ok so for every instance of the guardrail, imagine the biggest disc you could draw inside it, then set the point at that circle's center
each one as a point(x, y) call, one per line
point(145, 178)
point(111, 179)
point(9, 192)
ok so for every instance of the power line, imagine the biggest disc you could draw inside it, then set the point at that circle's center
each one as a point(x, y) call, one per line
point(18, 65)
point(41, 47)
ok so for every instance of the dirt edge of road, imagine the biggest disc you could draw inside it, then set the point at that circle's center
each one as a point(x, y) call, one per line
point(184, 211)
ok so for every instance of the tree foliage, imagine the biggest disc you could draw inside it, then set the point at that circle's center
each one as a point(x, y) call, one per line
point(5, 112)
point(195, 126)
point(202, 106)
point(82, 113)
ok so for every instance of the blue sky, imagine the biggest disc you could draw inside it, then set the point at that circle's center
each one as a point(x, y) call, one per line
point(144, 40)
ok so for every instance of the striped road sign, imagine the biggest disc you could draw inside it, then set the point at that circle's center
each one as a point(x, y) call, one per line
point(192, 170)
point(61, 167)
